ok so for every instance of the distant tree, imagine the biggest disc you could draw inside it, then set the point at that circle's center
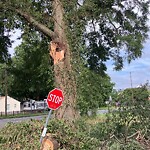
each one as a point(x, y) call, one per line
point(30, 71)
point(134, 95)
point(114, 94)
point(93, 91)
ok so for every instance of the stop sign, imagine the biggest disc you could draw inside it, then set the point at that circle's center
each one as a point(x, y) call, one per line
point(55, 98)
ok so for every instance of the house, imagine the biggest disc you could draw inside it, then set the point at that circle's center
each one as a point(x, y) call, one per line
point(34, 105)
point(12, 104)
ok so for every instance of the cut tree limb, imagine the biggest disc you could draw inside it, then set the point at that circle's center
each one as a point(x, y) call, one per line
point(49, 143)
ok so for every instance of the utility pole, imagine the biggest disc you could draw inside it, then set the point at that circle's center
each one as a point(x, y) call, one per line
point(6, 91)
point(131, 80)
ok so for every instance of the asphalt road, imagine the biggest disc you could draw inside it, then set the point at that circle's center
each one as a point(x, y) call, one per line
point(102, 111)
point(3, 122)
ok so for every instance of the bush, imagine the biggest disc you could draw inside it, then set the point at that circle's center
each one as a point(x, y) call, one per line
point(127, 128)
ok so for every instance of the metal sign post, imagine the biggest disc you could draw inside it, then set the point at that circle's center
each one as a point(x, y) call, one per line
point(45, 126)
point(54, 101)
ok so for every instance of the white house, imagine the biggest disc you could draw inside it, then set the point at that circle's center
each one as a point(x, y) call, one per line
point(12, 104)
point(34, 105)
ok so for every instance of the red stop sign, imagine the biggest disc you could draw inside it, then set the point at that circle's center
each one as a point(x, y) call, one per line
point(55, 98)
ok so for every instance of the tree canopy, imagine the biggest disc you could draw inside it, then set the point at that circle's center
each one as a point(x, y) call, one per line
point(31, 73)
point(132, 95)
point(93, 91)
point(5, 43)
point(109, 29)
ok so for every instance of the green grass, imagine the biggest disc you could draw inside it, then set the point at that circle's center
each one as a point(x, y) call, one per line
point(106, 108)
point(23, 115)
point(97, 119)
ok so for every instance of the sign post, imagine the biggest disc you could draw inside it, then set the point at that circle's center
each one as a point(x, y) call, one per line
point(45, 126)
point(54, 101)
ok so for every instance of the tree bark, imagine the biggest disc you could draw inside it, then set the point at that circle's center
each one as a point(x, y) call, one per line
point(63, 71)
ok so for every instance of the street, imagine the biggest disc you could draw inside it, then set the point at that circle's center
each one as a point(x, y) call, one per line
point(3, 122)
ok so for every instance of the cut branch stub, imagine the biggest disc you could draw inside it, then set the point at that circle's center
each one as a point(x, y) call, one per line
point(57, 51)
point(49, 143)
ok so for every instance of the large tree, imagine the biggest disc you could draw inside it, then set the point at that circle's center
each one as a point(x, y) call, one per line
point(107, 29)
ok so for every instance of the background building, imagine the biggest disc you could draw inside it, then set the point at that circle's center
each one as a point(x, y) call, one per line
point(12, 104)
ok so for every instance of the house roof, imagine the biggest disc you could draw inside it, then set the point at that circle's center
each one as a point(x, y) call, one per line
point(8, 97)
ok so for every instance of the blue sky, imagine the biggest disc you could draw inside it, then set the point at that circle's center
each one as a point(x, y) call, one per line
point(139, 68)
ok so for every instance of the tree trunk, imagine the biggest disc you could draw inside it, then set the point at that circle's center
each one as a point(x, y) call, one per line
point(64, 78)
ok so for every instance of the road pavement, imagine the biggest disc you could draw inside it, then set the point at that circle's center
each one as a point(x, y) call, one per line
point(3, 122)
point(102, 111)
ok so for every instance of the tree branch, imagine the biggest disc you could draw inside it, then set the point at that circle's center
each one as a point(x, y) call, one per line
point(41, 27)
point(111, 22)
point(29, 18)
point(36, 24)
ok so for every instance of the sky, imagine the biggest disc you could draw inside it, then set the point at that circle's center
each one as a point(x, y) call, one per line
point(14, 37)
point(134, 74)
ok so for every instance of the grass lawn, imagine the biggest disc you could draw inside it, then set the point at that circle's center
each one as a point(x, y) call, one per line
point(23, 115)
point(106, 108)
